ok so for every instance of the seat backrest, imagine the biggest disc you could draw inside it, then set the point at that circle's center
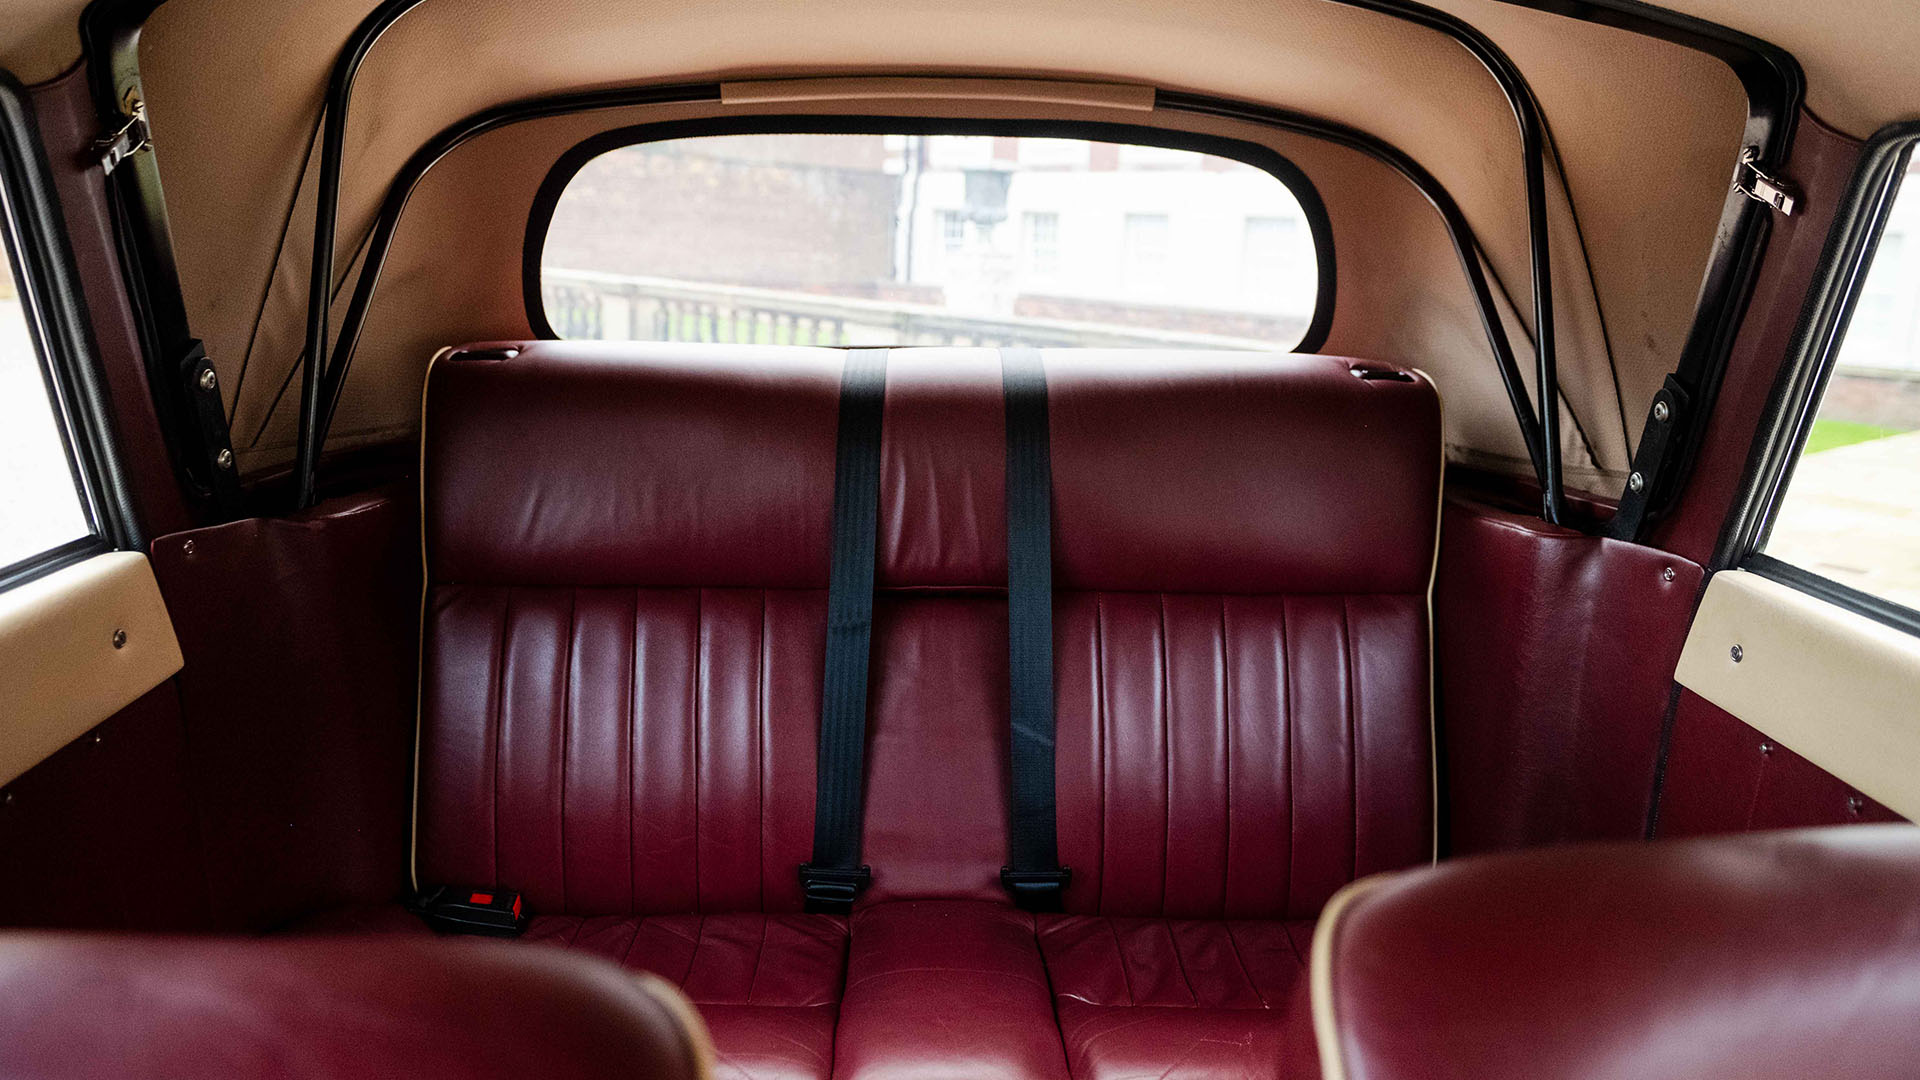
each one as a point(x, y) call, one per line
point(1762, 956)
point(1243, 549)
point(627, 553)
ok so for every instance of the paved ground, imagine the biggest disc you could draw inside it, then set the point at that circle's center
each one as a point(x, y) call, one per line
point(1853, 514)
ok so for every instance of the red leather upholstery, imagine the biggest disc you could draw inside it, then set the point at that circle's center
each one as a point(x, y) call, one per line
point(627, 548)
point(147, 1009)
point(1771, 955)
point(1238, 756)
point(1180, 998)
point(946, 989)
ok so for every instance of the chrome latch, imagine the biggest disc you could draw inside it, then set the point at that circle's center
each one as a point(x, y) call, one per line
point(132, 137)
point(1762, 188)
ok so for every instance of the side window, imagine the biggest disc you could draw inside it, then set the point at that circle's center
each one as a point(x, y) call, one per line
point(44, 510)
point(1850, 509)
point(896, 239)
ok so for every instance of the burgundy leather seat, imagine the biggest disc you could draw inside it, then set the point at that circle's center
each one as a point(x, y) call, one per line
point(1759, 956)
point(624, 630)
point(74, 1006)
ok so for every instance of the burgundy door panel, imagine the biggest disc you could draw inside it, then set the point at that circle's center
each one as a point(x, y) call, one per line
point(1556, 653)
point(102, 835)
point(1724, 776)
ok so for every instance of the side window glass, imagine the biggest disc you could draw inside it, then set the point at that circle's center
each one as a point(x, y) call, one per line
point(1851, 510)
point(41, 507)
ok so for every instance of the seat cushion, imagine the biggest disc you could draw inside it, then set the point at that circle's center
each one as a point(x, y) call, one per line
point(1205, 999)
point(946, 989)
point(768, 986)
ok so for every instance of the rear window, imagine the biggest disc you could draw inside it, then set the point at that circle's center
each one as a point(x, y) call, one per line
point(928, 240)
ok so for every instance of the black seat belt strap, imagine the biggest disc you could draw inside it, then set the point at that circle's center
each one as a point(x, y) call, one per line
point(1034, 877)
point(835, 875)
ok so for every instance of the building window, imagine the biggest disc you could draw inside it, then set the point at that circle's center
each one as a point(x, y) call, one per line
point(1147, 250)
point(953, 230)
point(1043, 243)
point(1269, 259)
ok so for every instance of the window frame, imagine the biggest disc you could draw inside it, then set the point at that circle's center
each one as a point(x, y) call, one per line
point(33, 233)
point(1840, 279)
point(1264, 158)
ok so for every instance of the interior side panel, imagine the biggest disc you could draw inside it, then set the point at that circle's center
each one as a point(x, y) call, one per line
point(1555, 655)
point(102, 835)
point(300, 636)
point(1724, 776)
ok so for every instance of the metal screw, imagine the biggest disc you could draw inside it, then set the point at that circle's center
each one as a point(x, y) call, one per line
point(1667, 574)
point(1855, 803)
point(1635, 481)
point(7, 799)
point(187, 549)
point(1766, 748)
point(224, 459)
point(1661, 412)
point(208, 380)
point(1737, 653)
point(97, 737)
point(119, 639)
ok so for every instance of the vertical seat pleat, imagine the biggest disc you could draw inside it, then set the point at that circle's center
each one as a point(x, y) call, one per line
point(793, 663)
point(1196, 737)
point(599, 760)
point(1079, 820)
point(528, 776)
point(665, 829)
point(1393, 755)
point(462, 659)
point(728, 784)
point(1322, 760)
point(1258, 792)
point(1133, 871)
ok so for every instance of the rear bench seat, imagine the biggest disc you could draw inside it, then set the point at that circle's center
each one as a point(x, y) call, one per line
point(627, 551)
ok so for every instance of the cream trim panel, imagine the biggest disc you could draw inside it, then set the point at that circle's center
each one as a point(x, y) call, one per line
point(1035, 91)
point(1835, 687)
point(60, 671)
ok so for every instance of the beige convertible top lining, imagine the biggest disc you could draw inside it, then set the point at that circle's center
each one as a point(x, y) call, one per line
point(1646, 134)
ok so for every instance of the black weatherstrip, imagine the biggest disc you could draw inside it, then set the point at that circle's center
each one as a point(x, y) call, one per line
point(1035, 877)
point(835, 875)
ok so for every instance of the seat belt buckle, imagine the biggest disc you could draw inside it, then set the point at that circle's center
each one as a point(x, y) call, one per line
point(1036, 890)
point(830, 889)
point(455, 909)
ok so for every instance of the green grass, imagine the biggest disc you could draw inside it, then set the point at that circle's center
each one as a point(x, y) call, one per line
point(1831, 434)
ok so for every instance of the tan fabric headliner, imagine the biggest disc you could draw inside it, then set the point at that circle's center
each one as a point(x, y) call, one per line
point(1648, 214)
point(1858, 56)
point(452, 275)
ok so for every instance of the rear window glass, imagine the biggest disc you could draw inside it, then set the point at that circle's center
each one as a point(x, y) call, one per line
point(928, 240)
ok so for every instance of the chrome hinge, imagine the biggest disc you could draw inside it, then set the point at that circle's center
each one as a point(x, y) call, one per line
point(132, 137)
point(1762, 188)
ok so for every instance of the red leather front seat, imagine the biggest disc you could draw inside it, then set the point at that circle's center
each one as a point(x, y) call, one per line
point(75, 1006)
point(1765, 956)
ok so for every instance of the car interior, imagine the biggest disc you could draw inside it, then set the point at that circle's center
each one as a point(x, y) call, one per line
point(1068, 540)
